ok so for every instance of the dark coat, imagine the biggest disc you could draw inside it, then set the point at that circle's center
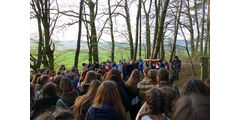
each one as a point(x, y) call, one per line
point(84, 88)
point(106, 112)
point(44, 104)
point(68, 99)
point(85, 110)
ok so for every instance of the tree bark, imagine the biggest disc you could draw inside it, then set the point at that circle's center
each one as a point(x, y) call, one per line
point(160, 31)
point(137, 24)
point(140, 36)
point(202, 33)
point(197, 23)
point(129, 28)
point(157, 11)
point(148, 37)
point(79, 35)
point(176, 30)
point(111, 29)
point(93, 37)
point(207, 43)
point(191, 30)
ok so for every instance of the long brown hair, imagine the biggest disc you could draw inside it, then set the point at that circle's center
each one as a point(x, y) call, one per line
point(152, 76)
point(163, 75)
point(43, 80)
point(195, 87)
point(65, 86)
point(82, 100)
point(192, 107)
point(91, 75)
point(107, 94)
point(50, 89)
point(133, 80)
point(115, 76)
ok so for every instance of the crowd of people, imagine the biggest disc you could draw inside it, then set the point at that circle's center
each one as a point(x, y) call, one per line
point(131, 90)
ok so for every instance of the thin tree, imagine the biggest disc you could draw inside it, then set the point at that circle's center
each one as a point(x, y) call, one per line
point(147, 13)
point(137, 25)
point(160, 31)
point(202, 33)
point(79, 34)
point(207, 42)
point(111, 29)
point(197, 24)
point(176, 30)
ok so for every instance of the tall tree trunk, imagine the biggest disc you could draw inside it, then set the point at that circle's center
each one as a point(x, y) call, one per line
point(137, 24)
point(208, 32)
point(162, 51)
point(46, 24)
point(202, 33)
point(157, 11)
point(129, 28)
point(148, 35)
point(79, 35)
point(160, 31)
point(140, 36)
point(111, 29)
point(197, 23)
point(40, 42)
point(93, 38)
point(88, 37)
point(191, 29)
point(176, 30)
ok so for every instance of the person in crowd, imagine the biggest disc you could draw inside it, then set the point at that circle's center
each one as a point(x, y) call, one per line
point(176, 67)
point(62, 69)
point(140, 62)
point(163, 80)
point(57, 80)
point(76, 76)
point(114, 75)
point(145, 72)
point(124, 71)
point(43, 71)
point(192, 107)
point(83, 103)
point(161, 64)
point(119, 66)
point(99, 76)
point(114, 64)
point(155, 102)
point(101, 71)
point(68, 94)
point(151, 82)
point(135, 64)
point(107, 104)
point(47, 102)
point(133, 92)
point(32, 95)
point(107, 68)
point(83, 75)
point(171, 98)
point(195, 87)
point(36, 78)
point(166, 64)
point(57, 115)
point(146, 63)
point(44, 79)
point(130, 68)
point(91, 75)
point(69, 74)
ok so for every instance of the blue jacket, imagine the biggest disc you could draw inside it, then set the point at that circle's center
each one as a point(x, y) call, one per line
point(107, 112)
